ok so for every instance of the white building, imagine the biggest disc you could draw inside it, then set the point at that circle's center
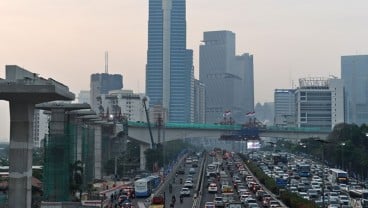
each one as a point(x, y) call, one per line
point(84, 96)
point(319, 102)
point(284, 107)
point(124, 103)
point(40, 127)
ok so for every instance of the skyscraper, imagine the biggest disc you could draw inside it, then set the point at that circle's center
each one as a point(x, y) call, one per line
point(169, 69)
point(228, 78)
point(354, 73)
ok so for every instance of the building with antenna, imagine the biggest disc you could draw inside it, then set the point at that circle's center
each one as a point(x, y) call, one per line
point(103, 83)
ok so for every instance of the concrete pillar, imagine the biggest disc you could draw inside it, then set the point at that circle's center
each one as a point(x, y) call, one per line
point(143, 148)
point(23, 89)
point(20, 154)
point(58, 159)
point(98, 152)
point(79, 142)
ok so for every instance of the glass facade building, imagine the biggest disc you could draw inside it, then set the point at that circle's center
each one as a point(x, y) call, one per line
point(169, 69)
point(354, 73)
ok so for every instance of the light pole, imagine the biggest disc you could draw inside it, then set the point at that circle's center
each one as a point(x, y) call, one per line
point(323, 142)
point(342, 155)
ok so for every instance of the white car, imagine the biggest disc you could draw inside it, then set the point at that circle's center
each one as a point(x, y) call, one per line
point(188, 184)
point(185, 191)
point(212, 188)
point(218, 201)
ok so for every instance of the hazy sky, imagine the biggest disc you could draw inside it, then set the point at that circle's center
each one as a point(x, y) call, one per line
point(66, 39)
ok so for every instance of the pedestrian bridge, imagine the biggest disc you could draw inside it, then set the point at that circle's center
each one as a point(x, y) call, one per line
point(175, 131)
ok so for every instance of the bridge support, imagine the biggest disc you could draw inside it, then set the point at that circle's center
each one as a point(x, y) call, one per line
point(60, 150)
point(23, 89)
point(143, 161)
point(98, 152)
point(20, 155)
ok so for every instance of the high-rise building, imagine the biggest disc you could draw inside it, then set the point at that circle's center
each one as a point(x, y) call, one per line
point(285, 107)
point(169, 69)
point(319, 103)
point(244, 67)
point(199, 102)
point(354, 73)
point(102, 84)
point(40, 127)
point(228, 78)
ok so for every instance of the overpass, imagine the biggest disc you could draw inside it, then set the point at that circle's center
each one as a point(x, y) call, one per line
point(175, 131)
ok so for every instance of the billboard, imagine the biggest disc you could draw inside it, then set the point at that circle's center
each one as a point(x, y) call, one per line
point(253, 144)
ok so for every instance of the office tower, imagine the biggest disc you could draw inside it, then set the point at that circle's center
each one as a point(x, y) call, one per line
point(228, 78)
point(169, 69)
point(319, 103)
point(354, 73)
point(199, 102)
point(244, 68)
point(102, 84)
point(285, 107)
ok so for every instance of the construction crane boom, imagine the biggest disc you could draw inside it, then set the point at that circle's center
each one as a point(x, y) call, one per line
point(148, 122)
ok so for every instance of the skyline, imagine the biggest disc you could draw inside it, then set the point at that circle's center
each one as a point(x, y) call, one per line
point(296, 39)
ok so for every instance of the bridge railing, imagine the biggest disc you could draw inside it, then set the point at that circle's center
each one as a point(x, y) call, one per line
point(189, 125)
point(229, 127)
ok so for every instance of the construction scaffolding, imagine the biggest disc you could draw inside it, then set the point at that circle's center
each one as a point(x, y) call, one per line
point(59, 155)
point(65, 173)
point(88, 159)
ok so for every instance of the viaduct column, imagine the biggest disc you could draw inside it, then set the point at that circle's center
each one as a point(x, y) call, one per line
point(23, 89)
point(143, 148)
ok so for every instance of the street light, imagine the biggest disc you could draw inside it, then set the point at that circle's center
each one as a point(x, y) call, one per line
point(323, 142)
point(342, 155)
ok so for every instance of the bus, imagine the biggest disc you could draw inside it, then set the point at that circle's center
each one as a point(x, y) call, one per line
point(337, 176)
point(303, 169)
point(143, 187)
point(359, 196)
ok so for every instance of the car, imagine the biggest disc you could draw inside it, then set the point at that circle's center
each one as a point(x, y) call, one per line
point(180, 172)
point(212, 188)
point(188, 184)
point(191, 171)
point(185, 191)
point(209, 205)
point(218, 201)
point(249, 200)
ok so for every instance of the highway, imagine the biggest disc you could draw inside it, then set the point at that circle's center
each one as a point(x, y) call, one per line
point(173, 180)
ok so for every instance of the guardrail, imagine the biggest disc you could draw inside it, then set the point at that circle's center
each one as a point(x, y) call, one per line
point(199, 187)
point(164, 183)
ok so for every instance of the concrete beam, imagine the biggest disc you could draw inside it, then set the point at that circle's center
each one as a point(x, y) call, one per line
point(24, 89)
